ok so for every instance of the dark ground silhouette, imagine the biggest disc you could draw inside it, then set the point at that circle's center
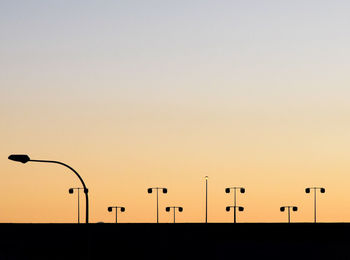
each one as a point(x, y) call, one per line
point(175, 241)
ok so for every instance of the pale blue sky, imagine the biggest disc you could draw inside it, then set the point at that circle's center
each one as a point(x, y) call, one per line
point(176, 48)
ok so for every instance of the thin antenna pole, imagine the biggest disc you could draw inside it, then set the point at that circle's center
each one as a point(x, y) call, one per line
point(206, 199)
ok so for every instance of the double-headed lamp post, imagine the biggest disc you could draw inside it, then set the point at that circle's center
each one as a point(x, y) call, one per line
point(165, 190)
point(23, 158)
point(294, 208)
point(167, 209)
point(242, 190)
point(71, 191)
point(322, 190)
point(122, 209)
point(234, 207)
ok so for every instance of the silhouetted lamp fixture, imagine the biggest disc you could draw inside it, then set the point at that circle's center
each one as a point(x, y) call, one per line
point(165, 190)
point(71, 191)
point(167, 209)
point(242, 190)
point(308, 190)
point(228, 208)
point(23, 158)
point(294, 208)
point(122, 209)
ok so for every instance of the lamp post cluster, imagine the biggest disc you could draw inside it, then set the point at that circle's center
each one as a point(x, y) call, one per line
point(167, 209)
point(23, 158)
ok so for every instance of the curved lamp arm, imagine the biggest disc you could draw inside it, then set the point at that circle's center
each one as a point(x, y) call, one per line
point(81, 180)
point(24, 158)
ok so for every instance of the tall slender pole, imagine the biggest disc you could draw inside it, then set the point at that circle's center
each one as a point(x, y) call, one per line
point(206, 199)
point(235, 203)
point(78, 207)
point(288, 214)
point(315, 203)
point(157, 208)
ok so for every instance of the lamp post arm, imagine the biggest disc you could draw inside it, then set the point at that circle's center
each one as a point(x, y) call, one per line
point(81, 180)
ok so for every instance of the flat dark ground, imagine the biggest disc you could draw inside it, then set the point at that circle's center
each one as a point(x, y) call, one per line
point(176, 241)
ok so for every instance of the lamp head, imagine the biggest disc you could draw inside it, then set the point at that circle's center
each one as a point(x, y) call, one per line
point(307, 190)
point(122, 209)
point(281, 209)
point(23, 158)
point(149, 190)
point(242, 190)
point(181, 209)
point(228, 208)
point(295, 208)
point(165, 190)
point(71, 190)
point(240, 208)
point(110, 209)
point(227, 190)
point(323, 190)
point(167, 209)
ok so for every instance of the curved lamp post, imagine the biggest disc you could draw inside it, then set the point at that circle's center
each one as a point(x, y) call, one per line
point(167, 209)
point(294, 208)
point(322, 190)
point(242, 190)
point(71, 191)
point(165, 190)
point(234, 207)
point(23, 158)
point(122, 209)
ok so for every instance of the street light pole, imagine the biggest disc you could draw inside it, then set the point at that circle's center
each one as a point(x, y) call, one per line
point(294, 208)
point(234, 209)
point(165, 190)
point(167, 209)
point(23, 158)
point(322, 190)
point(122, 209)
point(242, 190)
point(71, 190)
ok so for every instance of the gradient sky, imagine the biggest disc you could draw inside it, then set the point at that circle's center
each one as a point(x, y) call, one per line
point(137, 94)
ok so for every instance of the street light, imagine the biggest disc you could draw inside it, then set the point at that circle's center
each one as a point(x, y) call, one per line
point(294, 208)
point(165, 190)
point(234, 207)
point(167, 209)
point(206, 199)
point(23, 158)
point(242, 190)
point(322, 190)
point(122, 209)
point(71, 191)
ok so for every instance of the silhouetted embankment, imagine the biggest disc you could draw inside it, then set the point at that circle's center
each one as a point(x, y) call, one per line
point(175, 241)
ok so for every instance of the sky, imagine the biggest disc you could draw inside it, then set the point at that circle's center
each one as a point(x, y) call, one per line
point(139, 94)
